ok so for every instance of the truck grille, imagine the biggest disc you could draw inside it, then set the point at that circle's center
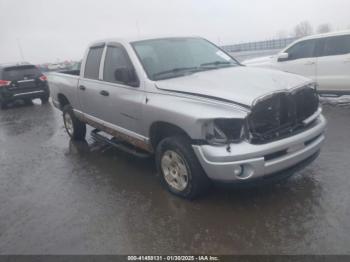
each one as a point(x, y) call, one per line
point(281, 115)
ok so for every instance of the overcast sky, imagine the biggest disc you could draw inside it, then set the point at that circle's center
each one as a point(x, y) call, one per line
point(50, 30)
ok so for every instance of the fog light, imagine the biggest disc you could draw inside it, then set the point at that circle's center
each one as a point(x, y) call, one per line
point(244, 172)
point(237, 170)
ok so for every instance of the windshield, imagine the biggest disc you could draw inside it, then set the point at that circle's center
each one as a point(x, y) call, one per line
point(174, 57)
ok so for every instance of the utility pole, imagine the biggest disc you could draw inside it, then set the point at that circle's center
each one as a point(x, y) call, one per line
point(20, 49)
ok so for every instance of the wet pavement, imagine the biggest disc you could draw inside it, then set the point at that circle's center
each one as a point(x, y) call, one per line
point(60, 197)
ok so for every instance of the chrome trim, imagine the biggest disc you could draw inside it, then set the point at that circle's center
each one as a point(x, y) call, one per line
point(102, 63)
point(25, 81)
point(313, 117)
point(29, 93)
point(287, 91)
point(112, 126)
point(78, 112)
point(292, 91)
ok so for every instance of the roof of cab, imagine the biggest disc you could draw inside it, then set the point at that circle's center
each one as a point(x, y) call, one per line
point(319, 36)
point(337, 33)
point(127, 40)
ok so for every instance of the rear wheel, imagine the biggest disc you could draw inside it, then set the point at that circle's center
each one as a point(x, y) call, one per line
point(179, 169)
point(74, 127)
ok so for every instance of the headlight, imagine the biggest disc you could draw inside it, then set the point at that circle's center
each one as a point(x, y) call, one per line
point(224, 131)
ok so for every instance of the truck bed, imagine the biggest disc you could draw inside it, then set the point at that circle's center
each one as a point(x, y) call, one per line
point(65, 84)
point(71, 72)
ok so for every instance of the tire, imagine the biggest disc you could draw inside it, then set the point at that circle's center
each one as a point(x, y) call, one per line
point(28, 101)
point(179, 169)
point(74, 127)
point(44, 100)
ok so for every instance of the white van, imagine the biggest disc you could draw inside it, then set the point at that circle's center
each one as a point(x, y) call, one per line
point(324, 58)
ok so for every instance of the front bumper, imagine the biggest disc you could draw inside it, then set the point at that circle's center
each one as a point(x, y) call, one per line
point(258, 161)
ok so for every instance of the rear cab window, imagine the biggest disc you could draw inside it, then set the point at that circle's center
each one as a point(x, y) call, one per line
point(93, 61)
point(20, 73)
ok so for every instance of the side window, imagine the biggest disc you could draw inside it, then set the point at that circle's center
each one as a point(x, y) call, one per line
point(303, 49)
point(338, 45)
point(92, 66)
point(118, 67)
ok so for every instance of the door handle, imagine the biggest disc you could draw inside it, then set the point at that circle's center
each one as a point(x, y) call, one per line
point(83, 88)
point(347, 60)
point(310, 63)
point(104, 93)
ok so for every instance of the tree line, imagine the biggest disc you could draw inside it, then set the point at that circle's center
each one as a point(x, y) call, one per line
point(305, 28)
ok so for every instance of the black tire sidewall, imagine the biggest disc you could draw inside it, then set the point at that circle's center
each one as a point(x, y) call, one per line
point(79, 128)
point(198, 182)
point(68, 110)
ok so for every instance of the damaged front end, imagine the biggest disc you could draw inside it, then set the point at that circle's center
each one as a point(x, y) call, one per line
point(283, 114)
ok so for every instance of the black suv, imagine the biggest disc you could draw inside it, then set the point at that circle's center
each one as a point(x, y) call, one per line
point(24, 82)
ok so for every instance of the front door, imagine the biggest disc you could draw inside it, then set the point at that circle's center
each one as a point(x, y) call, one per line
point(122, 107)
point(301, 59)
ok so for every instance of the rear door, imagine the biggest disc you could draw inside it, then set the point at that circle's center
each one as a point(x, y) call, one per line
point(333, 65)
point(90, 84)
point(302, 59)
point(122, 107)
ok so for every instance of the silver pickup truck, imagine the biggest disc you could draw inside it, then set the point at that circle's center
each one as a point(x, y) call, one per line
point(204, 116)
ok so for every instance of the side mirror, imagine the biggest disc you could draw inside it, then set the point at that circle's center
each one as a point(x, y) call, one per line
point(126, 76)
point(282, 57)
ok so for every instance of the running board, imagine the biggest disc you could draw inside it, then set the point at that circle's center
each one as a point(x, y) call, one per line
point(119, 144)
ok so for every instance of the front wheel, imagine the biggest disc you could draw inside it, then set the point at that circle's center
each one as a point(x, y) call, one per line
point(74, 127)
point(179, 169)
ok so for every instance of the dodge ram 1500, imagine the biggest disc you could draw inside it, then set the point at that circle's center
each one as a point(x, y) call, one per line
point(204, 116)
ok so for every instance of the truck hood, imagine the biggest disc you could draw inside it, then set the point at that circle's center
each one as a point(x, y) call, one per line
point(240, 85)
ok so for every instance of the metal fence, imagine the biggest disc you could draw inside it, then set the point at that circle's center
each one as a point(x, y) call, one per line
point(262, 45)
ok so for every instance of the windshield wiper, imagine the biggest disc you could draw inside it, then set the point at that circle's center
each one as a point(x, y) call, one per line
point(176, 70)
point(216, 63)
point(202, 67)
